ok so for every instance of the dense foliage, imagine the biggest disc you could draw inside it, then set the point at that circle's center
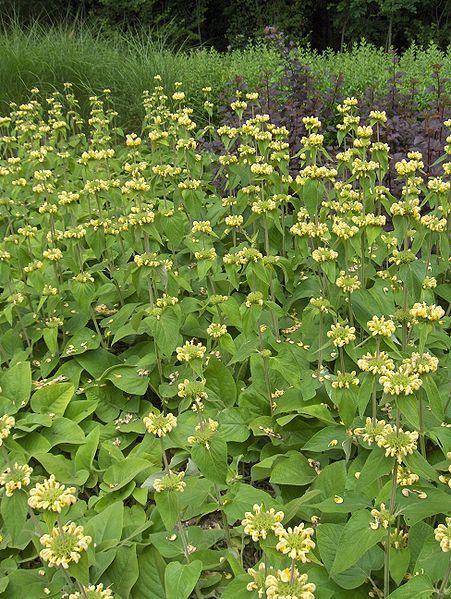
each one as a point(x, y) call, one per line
point(291, 79)
point(331, 23)
point(224, 362)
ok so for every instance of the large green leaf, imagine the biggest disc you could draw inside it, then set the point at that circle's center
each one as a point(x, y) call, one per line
point(357, 537)
point(212, 460)
point(15, 385)
point(293, 470)
point(52, 399)
point(180, 579)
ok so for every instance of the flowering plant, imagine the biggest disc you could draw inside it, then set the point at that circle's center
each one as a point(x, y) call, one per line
point(223, 375)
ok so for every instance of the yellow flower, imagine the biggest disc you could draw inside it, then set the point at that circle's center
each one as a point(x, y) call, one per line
point(295, 542)
point(64, 545)
point(234, 220)
point(396, 442)
point(380, 326)
point(371, 430)
point(258, 579)
point(378, 363)
point(216, 330)
point(15, 477)
point(254, 298)
point(406, 478)
point(429, 283)
point(443, 535)
point(159, 424)
point(189, 351)
point(51, 495)
point(172, 482)
point(6, 424)
point(382, 517)
point(323, 254)
point(345, 380)
point(53, 255)
point(201, 226)
point(93, 592)
point(289, 584)
point(349, 283)
point(204, 433)
point(398, 538)
point(422, 310)
point(341, 334)
point(403, 381)
point(260, 522)
point(420, 363)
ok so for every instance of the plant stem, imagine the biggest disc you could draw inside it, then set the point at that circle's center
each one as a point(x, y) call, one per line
point(387, 542)
point(163, 453)
point(224, 518)
point(442, 590)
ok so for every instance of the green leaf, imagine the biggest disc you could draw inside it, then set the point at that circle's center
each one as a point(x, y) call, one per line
point(128, 379)
point(118, 475)
point(151, 575)
point(357, 537)
point(293, 470)
point(220, 382)
point(212, 462)
point(399, 562)
point(168, 504)
point(418, 587)
point(123, 572)
point(14, 512)
point(63, 469)
point(106, 527)
point(376, 466)
point(16, 384)
point(436, 400)
point(53, 399)
point(328, 537)
point(85, 453)
point(180, 579)
point(83, 340)
point(64, 431)
point(418, 464)
point(166, 331)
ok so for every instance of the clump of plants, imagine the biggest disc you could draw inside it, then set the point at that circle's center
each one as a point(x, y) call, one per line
point(221, 377)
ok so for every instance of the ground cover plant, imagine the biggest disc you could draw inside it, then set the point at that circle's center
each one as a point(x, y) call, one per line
point(224, 363)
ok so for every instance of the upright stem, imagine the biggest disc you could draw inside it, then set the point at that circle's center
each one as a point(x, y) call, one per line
point(163, 453)
point(387, 542)
point(321, 334)
point(442, 590)
point(224, 518)
point(421, 422)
